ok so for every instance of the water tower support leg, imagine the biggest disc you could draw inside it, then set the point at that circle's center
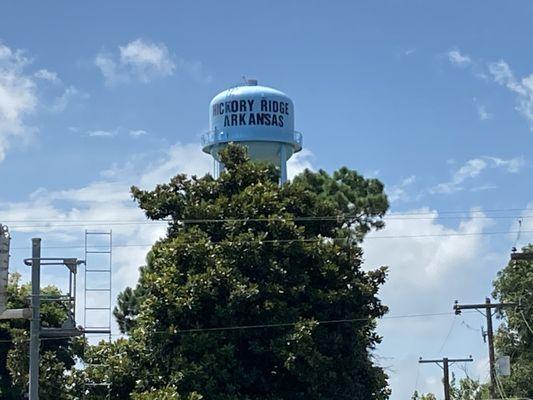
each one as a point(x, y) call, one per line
point(283, 163)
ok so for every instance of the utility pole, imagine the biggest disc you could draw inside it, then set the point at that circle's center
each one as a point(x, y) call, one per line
point(446, 362)
point(4, 266)
point(68, 329)
point(521, 256)
point(35, 322)
point(487, 306)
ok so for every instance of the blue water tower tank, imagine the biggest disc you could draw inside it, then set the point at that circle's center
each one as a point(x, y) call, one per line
point(258, 117)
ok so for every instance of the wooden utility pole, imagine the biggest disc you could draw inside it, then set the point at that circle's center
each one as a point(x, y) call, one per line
point(487, 306)
point(446, 362)
point(521, 256)
point(35, 322)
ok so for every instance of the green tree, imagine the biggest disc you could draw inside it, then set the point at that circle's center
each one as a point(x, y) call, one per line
point(417, 396)
point(515, 335)
point(232, 303)
point(168, 393)
point(466, 389)
point(57, 356)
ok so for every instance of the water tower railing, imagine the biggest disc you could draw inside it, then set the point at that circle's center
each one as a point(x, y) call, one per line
point(211, 138)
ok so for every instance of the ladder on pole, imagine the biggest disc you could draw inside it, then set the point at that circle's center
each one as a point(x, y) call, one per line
point(97, 297)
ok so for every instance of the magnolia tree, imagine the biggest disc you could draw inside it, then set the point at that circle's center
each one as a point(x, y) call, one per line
point(256, 292)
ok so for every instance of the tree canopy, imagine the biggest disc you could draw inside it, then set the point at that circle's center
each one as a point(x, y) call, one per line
point(464, 389)
point(515, 335)
point(256, 292)
point(57, 356)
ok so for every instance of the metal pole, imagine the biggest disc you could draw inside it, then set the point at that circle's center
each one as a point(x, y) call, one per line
point(4, 266)
point(446, 369)
point(283, 163)
point(490, 336)
point(446, 378)
point(35, 318)
point(487, 306)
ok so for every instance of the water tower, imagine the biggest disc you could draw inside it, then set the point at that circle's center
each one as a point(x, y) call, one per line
point(258, 117)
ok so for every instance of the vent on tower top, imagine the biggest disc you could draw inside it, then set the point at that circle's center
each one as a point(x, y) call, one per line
point(251, 82)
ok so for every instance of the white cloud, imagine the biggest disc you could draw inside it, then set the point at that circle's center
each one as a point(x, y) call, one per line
point(114, 132)
point(456, 58)
point(503, 75)
point(430, 265)
point(102, 133)
point(46, 75)
point(108, 68)
point(398, 192)
point(470, 169)
point(137, 132)
point(431, 257)
point(18, 98)
point(473, 168)
point(147, 59)
point(512, 165)
point(482, 111)
point(139, 60)
point(299, 162)
point(482, 188)
point(24, 93)
point(143, 61)
point(107, 199)
point(187, 159)
point(59, 104)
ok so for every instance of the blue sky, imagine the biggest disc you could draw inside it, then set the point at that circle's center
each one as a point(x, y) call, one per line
point(436, 100)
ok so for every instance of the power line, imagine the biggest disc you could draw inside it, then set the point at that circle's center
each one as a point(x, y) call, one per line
point(323, 239)
point(525, 320)
point(81, 223)
point(446, 362)
point(448, 335)
point(57, 222)
point(266, 326)
point(487, 307)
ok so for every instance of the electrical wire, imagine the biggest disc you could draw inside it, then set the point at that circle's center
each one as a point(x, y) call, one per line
point(525, 320)
point(499, 386)
point(78, 222)
point(266, 326)
point(449, 333)
point(392, 216)
point(324, 239)
point(417, 376)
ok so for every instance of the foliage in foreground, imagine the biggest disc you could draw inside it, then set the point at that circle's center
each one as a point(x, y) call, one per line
point(57, 356)
point(515, 335)
point(466, 389)
point(230, 307)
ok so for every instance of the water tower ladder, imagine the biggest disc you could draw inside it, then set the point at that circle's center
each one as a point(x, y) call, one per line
point(97, 299)
point(98, 283)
